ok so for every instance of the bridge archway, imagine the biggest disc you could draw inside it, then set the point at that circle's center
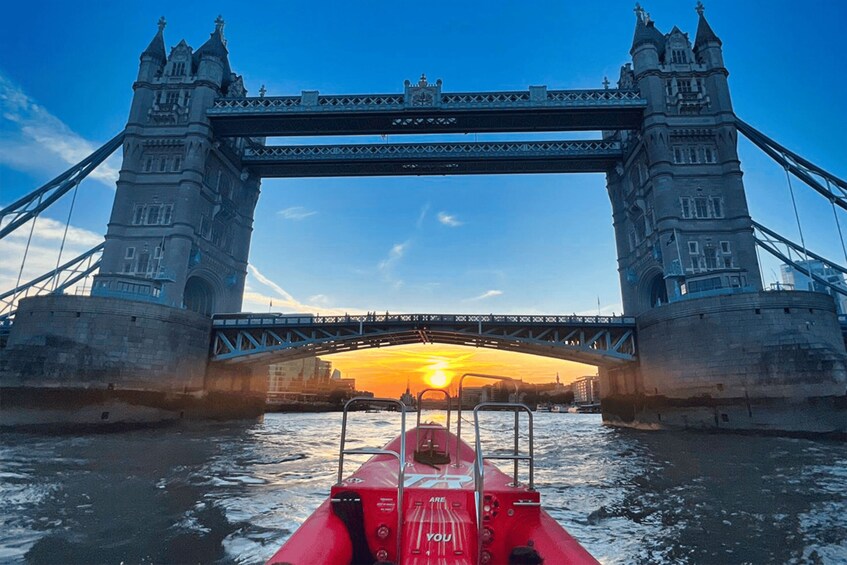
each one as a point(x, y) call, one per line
point(199, 295)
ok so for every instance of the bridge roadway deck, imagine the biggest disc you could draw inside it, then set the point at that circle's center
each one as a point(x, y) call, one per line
point(265, 338)
point(427, 110)
point(433, 158)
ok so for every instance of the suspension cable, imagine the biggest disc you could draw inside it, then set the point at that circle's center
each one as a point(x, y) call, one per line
point(759, 258)
point(26, 252)
point(837, 223)
point(799, 227)
point(64, 237)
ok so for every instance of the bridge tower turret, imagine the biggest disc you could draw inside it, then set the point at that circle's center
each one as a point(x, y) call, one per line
point(179, 233)
point(680, 213)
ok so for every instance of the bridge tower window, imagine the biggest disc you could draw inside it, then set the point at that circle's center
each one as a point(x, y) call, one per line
point(717, 206)
point(701, 207)
point(692, 155)
point(685, 204)
point(152, 215)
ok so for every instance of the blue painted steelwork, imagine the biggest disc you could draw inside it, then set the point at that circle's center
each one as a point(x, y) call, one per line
point(596, 340)
point(765, 244)
point(423, 108)
point(30, 206)
point(56, 281)
point(432, 158)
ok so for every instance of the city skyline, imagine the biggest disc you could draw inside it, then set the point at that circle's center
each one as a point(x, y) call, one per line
point(503, 244)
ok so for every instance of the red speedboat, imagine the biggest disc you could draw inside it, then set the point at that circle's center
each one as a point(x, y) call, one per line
point(427, 497)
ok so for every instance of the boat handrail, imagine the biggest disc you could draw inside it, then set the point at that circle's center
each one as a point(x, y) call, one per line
point(401, 455)
point(418, 422)
point(459, 411)
point(479, 461)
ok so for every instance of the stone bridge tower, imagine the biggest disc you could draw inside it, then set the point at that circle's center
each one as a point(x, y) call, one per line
point(179, 233)
point(680, 212)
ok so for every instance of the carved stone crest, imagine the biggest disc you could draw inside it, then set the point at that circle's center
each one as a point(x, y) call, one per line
point(422, 94)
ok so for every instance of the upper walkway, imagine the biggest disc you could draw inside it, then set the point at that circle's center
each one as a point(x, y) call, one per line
point(423, 108)
point(433, 158)
point(250, 337)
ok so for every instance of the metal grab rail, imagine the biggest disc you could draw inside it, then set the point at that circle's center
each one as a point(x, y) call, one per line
point(418, 421)
point(401, 456)
point(459, 415)
point(479, 461)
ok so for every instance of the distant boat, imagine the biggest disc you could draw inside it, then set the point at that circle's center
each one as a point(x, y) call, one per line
point(585, 409)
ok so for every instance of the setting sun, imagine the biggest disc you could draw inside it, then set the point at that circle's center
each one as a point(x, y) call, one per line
point(437, 378)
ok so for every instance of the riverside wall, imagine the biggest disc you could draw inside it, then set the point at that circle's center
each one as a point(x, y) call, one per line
point(762, 361)
point(96, 360)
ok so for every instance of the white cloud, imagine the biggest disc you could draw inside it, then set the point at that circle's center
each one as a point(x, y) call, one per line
point(386, 266)
point(34, 140)
point(394, 255)
point(449, 220)
point(321, 299)
point(296, 213)
point(486, 294)
point(282, 300)
point(422, 215)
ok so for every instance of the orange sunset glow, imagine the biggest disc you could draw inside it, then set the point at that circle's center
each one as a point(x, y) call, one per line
point(386, 371)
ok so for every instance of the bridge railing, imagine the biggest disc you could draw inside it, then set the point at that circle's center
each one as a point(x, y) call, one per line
point(311, 101)
point(255, 319)
point(434, 150)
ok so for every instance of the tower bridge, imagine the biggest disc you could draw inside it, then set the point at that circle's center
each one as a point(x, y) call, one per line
point(702, 343)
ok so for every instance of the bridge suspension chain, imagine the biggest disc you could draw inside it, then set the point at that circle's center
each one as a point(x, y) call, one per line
point(30, 206)
point(53, 282)
point(770, 237)
point(833, 188)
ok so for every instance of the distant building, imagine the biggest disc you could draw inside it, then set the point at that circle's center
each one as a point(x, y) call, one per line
point(799, 279)
point(311, 374)
point(407, 398)
point(586, 390)
point(551, 389)
point(473, 395)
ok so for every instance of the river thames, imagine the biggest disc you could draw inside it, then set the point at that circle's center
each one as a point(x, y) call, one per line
point(232, 493)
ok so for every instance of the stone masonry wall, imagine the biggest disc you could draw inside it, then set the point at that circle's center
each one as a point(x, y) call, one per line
point(765, 344)
point(93, 342)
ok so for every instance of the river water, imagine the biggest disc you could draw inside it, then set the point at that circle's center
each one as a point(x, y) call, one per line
point(232, 493)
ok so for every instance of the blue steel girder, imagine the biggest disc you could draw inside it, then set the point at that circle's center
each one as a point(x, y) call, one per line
point(433, 158)
point(265, 338)
point(425, 109)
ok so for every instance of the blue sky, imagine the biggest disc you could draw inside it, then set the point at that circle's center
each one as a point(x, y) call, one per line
point(520, 244)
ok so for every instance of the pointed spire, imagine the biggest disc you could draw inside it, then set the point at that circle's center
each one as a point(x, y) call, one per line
point(156, 49)
point(216, 44)
point(645, 31)
point(216, 47)
point(704, 30)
